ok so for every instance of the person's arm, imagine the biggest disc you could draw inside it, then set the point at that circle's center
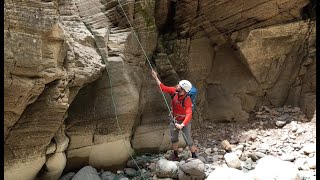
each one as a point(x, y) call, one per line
point(154, 75)
point(170, 90)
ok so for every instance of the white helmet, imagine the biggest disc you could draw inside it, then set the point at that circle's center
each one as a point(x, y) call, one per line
point(186, 85)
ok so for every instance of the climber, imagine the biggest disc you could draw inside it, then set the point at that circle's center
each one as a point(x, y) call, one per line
point(182, 114)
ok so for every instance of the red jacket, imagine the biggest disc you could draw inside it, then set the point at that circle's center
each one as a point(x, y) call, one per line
point(177, 107)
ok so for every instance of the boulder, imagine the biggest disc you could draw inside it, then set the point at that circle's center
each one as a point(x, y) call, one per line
point(270, 167)
point(86, 173)
point(165, 168)
point(301, 163)
point(232, 160)
point(283, 120)
point(107, 175)
point(130, 172)
point(228, 174)
point(137, 163)
point(287, 157)
point(312, 162)
point(226, 145)
point(191, 169)
point(309, 148)
point(55, 166)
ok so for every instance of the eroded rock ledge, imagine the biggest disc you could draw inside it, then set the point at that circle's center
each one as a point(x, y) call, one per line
point(59, 111)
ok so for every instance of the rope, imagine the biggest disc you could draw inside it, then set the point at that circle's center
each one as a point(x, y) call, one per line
point(118, 124)
point(116, 117)
point(145, 54)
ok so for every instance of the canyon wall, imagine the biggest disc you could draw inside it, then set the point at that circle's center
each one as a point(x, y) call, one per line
point(77, 85)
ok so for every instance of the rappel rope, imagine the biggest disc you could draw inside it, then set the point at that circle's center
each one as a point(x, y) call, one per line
point(114, 105)
point(145, 54)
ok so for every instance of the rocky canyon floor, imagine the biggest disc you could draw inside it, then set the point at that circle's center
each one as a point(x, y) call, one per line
point(276, 143)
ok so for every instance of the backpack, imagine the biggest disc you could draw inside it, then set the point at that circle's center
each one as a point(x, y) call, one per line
point(193, 95)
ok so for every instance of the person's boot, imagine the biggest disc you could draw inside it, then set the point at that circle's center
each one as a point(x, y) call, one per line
point(174, 156)
point(193, 155)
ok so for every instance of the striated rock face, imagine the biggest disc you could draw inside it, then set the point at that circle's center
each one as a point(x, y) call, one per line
point(284, 50)
point(302, 93)
point(69, 63)
point(231, 89)
point(106, 130)
point(219, 19)
point(47, 60)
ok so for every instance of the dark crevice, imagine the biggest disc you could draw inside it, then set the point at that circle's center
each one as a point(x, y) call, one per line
point(309, 11)
point(138, 119)
point(169, 25)
point(304, 52)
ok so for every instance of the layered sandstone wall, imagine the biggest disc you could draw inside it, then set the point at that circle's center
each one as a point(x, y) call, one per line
point(67, 63)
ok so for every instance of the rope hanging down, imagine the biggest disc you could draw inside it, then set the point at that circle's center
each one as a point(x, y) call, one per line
point(111, 89)
point(115, 111)
point(116, 117)
point(145, 54)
